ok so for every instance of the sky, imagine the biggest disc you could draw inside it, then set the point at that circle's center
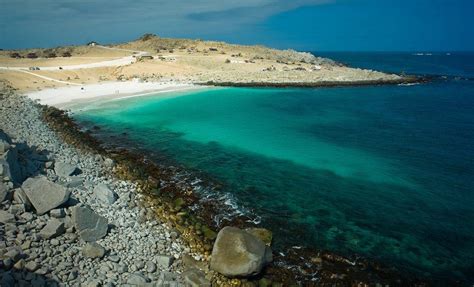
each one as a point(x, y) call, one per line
point(309, 25)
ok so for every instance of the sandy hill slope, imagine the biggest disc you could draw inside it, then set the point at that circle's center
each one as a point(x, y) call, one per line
point(152, 58)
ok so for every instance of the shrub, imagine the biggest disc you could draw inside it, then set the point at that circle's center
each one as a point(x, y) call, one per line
point(15, 55)
point(147, 37)
point(32, 56)
point(67, 54)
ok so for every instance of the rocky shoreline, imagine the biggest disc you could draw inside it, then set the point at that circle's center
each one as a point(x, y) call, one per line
point(139, 228)
point(321, 84)
point(72, 216)
point(71, 222)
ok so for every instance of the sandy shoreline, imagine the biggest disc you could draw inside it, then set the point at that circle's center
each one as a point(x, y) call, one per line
point(66, 97)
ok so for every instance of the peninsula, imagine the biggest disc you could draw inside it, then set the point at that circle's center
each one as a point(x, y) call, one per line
point(147, 63)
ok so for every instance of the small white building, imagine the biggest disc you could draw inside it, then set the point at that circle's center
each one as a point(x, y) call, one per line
point(92, 44)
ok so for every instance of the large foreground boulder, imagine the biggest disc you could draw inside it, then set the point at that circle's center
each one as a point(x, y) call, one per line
point(43, 194)
point(239, 253)
point(90, 226)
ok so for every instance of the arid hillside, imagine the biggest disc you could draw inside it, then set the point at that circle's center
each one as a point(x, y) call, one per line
point(152, 58)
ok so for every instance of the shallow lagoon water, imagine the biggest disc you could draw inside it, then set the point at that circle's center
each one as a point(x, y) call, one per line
point(386, 172)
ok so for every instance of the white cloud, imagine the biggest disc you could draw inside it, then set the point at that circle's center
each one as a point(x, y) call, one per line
point(52, 21)
point(124, 10)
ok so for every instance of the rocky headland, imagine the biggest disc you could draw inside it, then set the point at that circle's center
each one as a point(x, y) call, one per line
point(155, 59)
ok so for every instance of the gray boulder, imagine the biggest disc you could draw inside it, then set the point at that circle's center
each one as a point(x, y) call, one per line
point(104, 194)
point(137, 279)
point(239, 253)
point(150, 267)
point(14, 254)
point(31, 266)
point(6, 217)
point(19, 196)
point(52, 229)
point(3, 192)
point(58, 213)
point(93, 250)
point(43, 194)
point(92, 282)
point(64, 169)
point(75, 181)
point(90, 226)
point(164, 261)
point(27, 216)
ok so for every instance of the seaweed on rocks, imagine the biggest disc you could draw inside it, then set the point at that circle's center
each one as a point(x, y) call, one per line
point(70, 130)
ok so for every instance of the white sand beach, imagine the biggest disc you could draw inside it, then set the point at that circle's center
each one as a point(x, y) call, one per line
point(62, 97)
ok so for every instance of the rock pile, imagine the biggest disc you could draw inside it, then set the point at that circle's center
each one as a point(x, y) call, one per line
point(65, 220)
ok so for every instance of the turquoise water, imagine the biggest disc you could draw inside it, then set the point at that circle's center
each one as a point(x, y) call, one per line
point(386, 172)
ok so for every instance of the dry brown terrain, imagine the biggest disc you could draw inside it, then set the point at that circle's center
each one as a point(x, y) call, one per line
point(182, 60)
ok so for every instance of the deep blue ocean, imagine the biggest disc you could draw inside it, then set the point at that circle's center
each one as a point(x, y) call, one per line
point(386, 172)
